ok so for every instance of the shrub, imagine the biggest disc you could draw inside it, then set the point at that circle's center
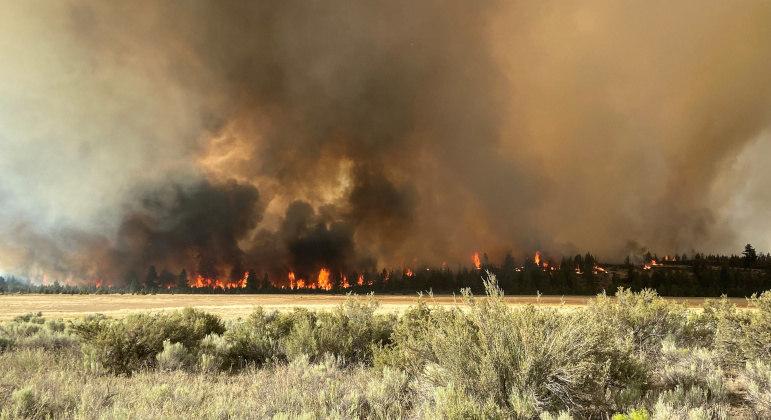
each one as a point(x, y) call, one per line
point(756, 381)
point(5, 343)
point(125, 346)
point(721, 327)
point(32, 318)
point(525, 361)
point(387, 394)
point(29, 404)
point(254, 341)
point(351, 332)
point(173, 357)
point(33, 331)
point(688, 403)
point(644, 318)
point(756, 337)
point(688, 368)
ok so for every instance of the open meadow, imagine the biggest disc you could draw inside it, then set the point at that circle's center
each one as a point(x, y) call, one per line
point(231, 306)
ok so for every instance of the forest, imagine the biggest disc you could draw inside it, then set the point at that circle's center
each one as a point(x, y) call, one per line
point(681, 275)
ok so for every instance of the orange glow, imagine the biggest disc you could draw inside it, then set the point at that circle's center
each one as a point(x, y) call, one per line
point(292, 280)
point(408, 272)
point(323, 280)
point(651, 264)
point(360, 280)
point(98, 283)
point(200, 281)
point(345, 282)
point(537, 258)
point(477, 262)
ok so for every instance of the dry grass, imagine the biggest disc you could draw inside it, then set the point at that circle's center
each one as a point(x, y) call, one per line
point(240, 306)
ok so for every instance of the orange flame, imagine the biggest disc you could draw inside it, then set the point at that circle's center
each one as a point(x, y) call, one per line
point(323, 280)
point(408, 272)
point(477, 262)
point(360, 280)
point(346, 284)
point(651, 264)
point(200, 281)
point(537, 258)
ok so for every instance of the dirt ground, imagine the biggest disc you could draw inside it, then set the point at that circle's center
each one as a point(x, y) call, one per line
point(235, 306)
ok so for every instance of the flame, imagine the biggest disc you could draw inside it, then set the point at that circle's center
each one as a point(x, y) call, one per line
point(476, 261)
point(651, 264)
point(98, 283)
point(323, 280)
point(291, 278)
point(200, 281)
point(597, 269)
point(360, 280)
point(408, 272)
point(537, 258)
point(346, 284)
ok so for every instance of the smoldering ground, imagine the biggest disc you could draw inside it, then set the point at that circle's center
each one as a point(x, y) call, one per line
point(376, 133)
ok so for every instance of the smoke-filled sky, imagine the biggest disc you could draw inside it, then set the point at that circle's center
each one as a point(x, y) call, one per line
point(277, 134)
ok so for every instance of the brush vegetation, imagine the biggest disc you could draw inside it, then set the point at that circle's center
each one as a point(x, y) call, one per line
point(635, 356)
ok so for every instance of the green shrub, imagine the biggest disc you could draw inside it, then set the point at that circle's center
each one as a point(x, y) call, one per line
point(688, 403)
point(29, 404)
point(688, 368)
point(638, 414)
point(755, 380)
point(254, 341)
point(526, 361)
point(451, 402)
point(721, 325)
point(756, 336)
point(173, 357)
point(125, 346)
point(33, 331)
point(409, 349)
point(6, 343)
point(32, 318)
point(644, 318)
point(350, 333)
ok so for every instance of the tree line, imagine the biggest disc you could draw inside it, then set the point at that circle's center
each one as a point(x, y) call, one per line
point(699, 275)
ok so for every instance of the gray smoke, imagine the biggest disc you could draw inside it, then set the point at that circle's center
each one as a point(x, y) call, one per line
point(363, 133)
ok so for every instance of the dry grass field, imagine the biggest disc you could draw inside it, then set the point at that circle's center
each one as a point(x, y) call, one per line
point(235, 306)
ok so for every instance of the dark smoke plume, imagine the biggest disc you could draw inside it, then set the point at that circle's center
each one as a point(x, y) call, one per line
point(358, 134)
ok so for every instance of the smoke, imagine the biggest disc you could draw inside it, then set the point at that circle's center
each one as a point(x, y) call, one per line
point(294, 135)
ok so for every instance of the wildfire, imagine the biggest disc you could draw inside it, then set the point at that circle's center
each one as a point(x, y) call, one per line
point(200, 281)
point(360, 280)
point(651, 264)
point(408, 272)
point(346, 284)
point(475, 259)
point(537, 258)
point(323, 280)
